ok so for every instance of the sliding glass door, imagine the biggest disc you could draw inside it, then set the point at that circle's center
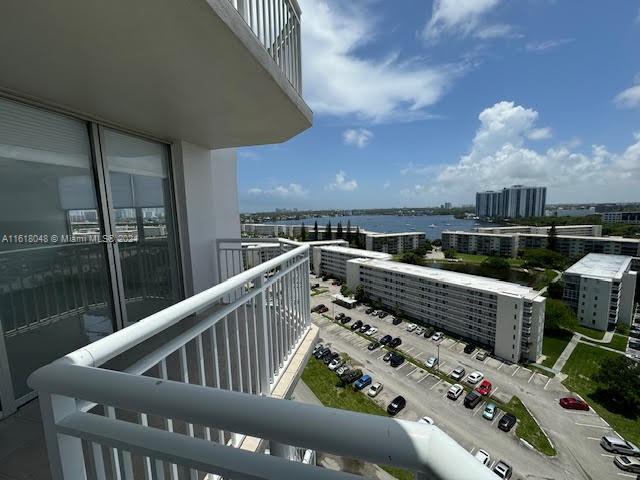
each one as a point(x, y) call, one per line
point(87, 238)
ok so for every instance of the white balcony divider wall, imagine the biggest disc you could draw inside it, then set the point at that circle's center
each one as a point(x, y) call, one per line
point(238, 335)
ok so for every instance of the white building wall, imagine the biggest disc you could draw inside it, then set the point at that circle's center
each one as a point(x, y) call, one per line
point(628, 289)
point(508, 327)
point(594, 299)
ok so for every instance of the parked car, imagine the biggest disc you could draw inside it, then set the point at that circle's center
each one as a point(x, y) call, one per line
point(387, 356)
point(571, 403)
point(429, 332)
point(437, 336)
point(483, 457)
point(474, 377)
point(396, 321)
point(375, 313)
point(363, 381)
point(618, 445)
point(481, 355)
point(395, 343)
point(364, 328)
point(386, 339)
point(455, 391)
point(396, 405)
point(484, 388)
point(344, 320)
point(458, 373)
point(373, 345)
point(427, 420)
point(319, 354)
point(340, 370)
point(432, 362)
point(411, 327)
point(351, 376)
point(327, 359)
point(318, 307)
point(490, 411)
point(339, 316)
point(356, 325)
point(628, 464)
point(371, 331)
point(335, 363)
point(507, 422)
point(382, 314)
point(472, 399)
point(419, 331)
point(469, 348)
point(396, 360)
point(317, 347)
point(503, 470)
point(369, 311)
point(375, 389)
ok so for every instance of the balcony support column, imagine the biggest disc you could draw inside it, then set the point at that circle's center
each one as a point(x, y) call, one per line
point(262, 339)
point(281, 450)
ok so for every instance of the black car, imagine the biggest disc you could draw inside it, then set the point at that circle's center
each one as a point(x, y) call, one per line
point(472, 399)
point(395, 343)
point(382, 314)
point(386, 339)
point(356, 325)
point(373, 345)
point(344, 320)
point(365, 327)
point(396, 405)
point(396, 360)
point(468, 349)
point(329, 358)
point(321, 352)
point(507, 422)
point(397, 321)
point(369, 311)
point(429, 332)
point(387, 356)
point(339, 316)
point(327, 353)
point(350, 376)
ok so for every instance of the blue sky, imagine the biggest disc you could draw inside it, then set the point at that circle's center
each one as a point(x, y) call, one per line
point(419, 103)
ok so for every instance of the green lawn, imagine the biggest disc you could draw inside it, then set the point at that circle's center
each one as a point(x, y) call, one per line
point(528, 428)
point(589, 332)
point(322, 383)
point(478, 259)
point(618, 342)
point(582, 365)
point(553, 345)
point(543, 279)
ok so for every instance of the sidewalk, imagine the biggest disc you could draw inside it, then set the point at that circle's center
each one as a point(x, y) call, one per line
point(562, 359)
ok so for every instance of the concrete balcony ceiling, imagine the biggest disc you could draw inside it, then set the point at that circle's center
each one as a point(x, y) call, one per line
point(190, 70)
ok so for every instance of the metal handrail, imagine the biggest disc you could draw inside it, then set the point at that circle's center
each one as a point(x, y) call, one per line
point(103, 350)
point(424, 449)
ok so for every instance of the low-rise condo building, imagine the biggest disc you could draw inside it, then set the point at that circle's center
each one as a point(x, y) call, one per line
point(583, 230)
point(505, 317)
point(632, 218)
point(601, 289)
point(332, 260)
point(393, 243)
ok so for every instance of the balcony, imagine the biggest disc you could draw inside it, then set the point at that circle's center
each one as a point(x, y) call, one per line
point(210, 72)
point(199, 390)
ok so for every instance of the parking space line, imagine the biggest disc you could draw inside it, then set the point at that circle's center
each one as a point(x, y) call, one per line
point(608, 455)
point(531, 377)
point(594, 438)
point(495, 390)
point(501, 364)
point(381, 356)
point(515, 371)
point(433, 386)
point(408, 350)
point(604, 427)
point(480, 407)
point(454, 344)
point(472, 450)
point(412, 371)
point(496, 418)
point(427, 375)
point(547, 384)
point(493, 462)
point(626, 475)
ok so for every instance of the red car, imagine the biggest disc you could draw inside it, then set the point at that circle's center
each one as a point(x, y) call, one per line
point(484, 388)
point(573, 404)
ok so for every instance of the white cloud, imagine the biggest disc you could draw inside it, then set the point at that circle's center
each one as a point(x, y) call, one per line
point(547, 44)
point(463, 17)
point(341, 82)
point(293, 190)
point(418, 169)
point(629, 98)
point(342, 183)
point(539, 133)
point(498, 158)
point(358, 137)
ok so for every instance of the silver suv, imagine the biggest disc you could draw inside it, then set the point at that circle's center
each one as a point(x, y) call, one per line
point(618, 445)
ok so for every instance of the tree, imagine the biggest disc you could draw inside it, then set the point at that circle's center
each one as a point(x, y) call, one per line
point(315, 230)
point(348, 236)
point(544, 258)
point(450, 253)
point(339, 231)
point(556, 290)
point(360, 295)
point(358, 241)
point(558, 316)
point(496, 267)
point(552, 238)
point(423, 249)
point(412, 258)
point(303, 233)
point(619, 381)
point(327, 232)
point(345, 291)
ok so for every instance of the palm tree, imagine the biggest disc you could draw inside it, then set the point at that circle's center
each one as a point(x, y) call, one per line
point(315, 230)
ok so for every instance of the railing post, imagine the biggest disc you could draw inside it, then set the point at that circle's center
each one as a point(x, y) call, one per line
point(262, 336)
point(66, 459)
point(281, 450)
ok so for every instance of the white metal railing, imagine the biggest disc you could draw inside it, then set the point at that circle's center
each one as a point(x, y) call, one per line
point(276, 24)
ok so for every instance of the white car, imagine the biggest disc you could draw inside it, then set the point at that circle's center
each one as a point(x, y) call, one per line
point(431, 362)
point(474, 377)
point(419, 331)
point(411, 327)
point(427, 420)
point(335, 363)
point(340, 370)
point(437, 336)
point(458, 373)
point(483, 457)
point(455, 391)
point(375, 389)
point(371, 331)
point(629, 464)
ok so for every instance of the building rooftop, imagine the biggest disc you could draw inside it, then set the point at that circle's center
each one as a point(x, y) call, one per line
point(390, 234)
point(357, 252)
point(446, 276)
point(601, 265)
point(463, 232)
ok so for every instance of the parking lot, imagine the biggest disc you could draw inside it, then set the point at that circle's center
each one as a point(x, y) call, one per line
point(574, 434)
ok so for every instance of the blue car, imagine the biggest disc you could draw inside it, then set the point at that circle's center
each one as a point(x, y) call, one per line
point(362, 382)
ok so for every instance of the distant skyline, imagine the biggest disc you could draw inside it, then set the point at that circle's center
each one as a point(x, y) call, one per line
point(428, 103)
